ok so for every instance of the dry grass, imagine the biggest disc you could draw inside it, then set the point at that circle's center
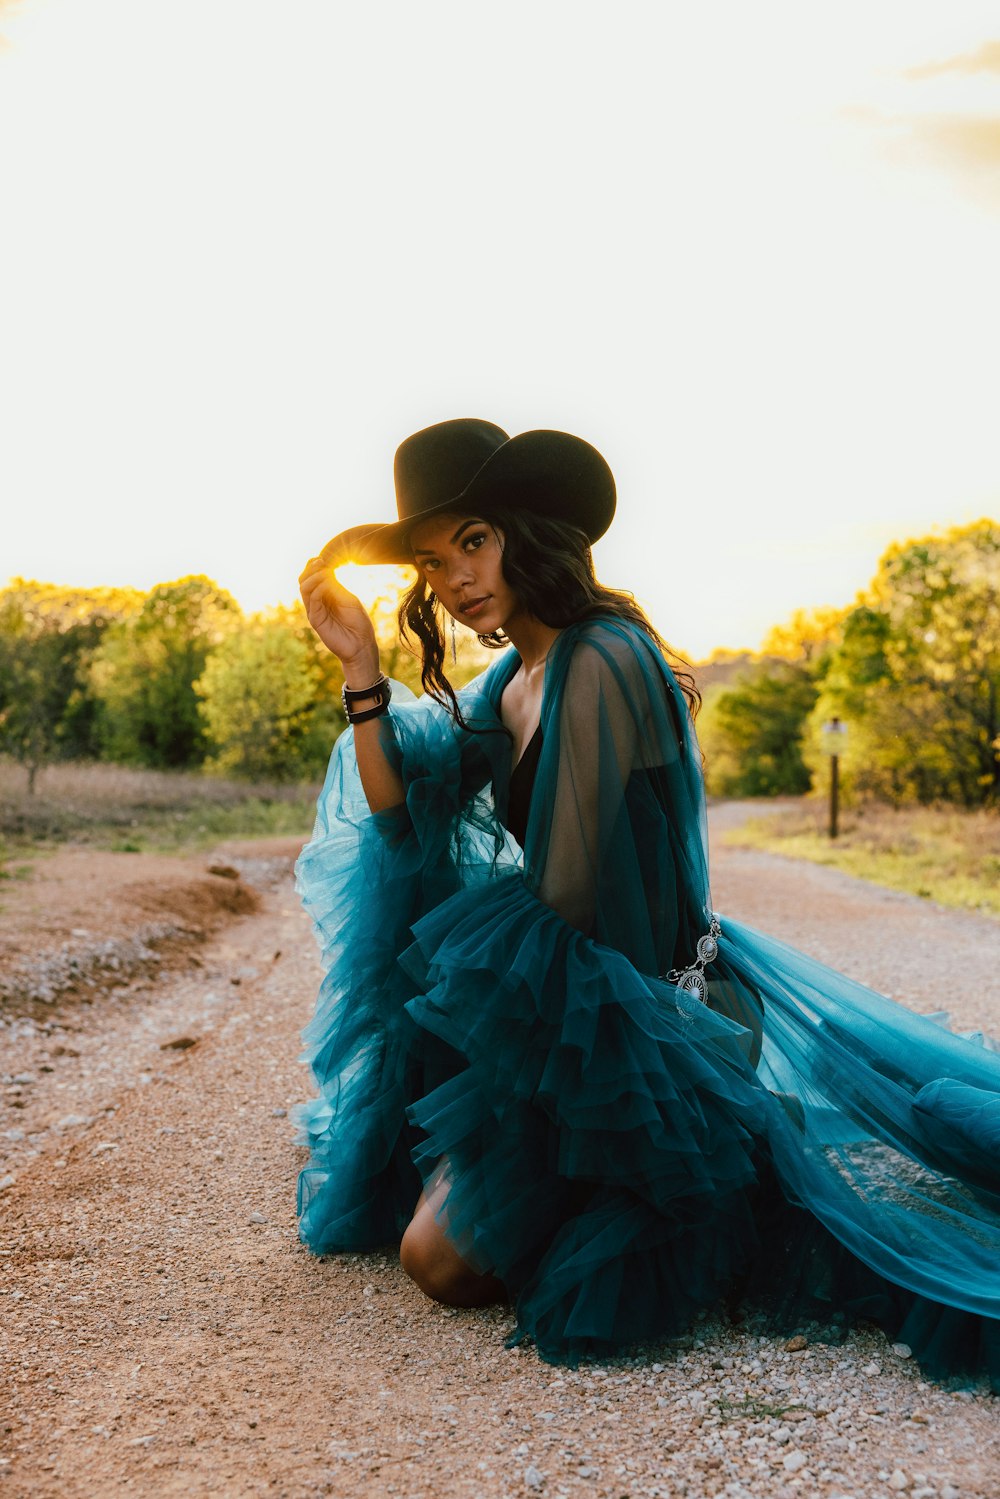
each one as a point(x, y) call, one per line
point(938, 853)
point(114, 806)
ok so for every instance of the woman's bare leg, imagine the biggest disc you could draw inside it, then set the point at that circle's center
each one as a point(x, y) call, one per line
point(433, 1262)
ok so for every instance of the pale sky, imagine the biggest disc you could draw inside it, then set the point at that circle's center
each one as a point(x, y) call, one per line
point(749, 251)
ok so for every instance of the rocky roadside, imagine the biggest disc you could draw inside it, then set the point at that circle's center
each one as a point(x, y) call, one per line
point(88, 922)
point(164, 1333)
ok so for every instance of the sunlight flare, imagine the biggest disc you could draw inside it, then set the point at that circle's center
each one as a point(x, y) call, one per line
point(372, 584)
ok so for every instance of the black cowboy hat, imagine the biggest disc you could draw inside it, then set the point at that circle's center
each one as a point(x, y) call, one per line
point(465, 464)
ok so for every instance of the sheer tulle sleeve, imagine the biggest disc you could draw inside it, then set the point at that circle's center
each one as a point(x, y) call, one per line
point(616, 841)
point(602, 720)
point(365, 879)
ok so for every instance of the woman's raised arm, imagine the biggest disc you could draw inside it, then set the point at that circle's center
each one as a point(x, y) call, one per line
point(345, 628)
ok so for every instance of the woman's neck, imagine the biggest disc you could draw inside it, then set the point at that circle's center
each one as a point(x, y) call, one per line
point(531, 639)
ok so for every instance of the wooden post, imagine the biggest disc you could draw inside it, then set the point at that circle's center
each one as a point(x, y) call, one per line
point(834, 793)
point(834, 740)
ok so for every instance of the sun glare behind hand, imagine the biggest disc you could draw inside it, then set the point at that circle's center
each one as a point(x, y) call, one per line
point(370, 584)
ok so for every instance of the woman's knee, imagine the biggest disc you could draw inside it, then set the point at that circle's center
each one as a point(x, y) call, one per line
point(427, 1262)
point(436, 1266)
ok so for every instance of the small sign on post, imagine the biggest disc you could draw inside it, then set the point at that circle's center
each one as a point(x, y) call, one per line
point(834, 741)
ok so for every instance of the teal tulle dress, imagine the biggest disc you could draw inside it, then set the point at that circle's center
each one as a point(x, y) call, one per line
point(621, 1154)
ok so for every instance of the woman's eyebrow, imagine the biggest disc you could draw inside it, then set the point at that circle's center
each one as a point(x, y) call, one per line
point(429, 551)
point(465, 526)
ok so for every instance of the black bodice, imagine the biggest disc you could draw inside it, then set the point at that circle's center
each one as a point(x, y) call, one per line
point(522, 781)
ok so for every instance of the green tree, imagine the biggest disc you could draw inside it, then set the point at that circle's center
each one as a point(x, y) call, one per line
point(751, 733)
point(917, 676)
point(145, 670)
point(755, 710)
point(259, 702)
point(48, 636)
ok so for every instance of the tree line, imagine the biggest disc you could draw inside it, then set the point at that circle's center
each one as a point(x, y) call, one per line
point(180, 678)
point(912, 669)
point(177, 678)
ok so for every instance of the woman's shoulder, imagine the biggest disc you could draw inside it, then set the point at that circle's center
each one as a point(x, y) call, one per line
point(610, 654)
point(614, 667)
point(607, 643)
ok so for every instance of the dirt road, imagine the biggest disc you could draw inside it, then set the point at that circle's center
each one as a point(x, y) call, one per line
point(164, 1333)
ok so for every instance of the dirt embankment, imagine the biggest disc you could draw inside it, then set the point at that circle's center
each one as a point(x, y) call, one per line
point(85, 923)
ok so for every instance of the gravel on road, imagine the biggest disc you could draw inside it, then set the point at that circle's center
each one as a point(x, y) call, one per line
point(164, 1332)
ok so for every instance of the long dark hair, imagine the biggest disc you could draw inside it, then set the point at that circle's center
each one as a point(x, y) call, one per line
point(549, 566)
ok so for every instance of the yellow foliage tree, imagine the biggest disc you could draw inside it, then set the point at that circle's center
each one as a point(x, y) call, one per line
point(806, 634)
point(917, 675)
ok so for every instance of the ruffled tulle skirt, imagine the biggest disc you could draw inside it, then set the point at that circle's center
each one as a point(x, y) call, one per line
point(623, 1157)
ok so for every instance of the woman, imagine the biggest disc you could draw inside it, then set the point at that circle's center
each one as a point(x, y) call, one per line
point(543, 1063)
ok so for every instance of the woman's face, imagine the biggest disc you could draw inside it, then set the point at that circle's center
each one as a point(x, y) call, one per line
point(460, 557)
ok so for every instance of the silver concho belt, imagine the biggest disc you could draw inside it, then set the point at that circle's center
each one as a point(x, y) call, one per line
point(693, 979)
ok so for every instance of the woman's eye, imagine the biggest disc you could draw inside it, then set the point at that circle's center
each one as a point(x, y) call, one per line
point(475, 540)
point(430, 564)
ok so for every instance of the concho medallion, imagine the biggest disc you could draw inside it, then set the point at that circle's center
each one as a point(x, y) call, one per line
point(695, 983)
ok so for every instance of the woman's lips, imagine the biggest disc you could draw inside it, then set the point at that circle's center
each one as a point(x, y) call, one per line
point(473, 607)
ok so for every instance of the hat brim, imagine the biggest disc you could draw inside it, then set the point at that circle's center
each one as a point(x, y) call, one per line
point(548, 473)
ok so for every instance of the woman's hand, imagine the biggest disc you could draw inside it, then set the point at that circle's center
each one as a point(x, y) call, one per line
point(339, 619)
point(345, 629)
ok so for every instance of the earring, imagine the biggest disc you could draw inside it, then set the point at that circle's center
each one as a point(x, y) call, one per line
point(454, 647)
